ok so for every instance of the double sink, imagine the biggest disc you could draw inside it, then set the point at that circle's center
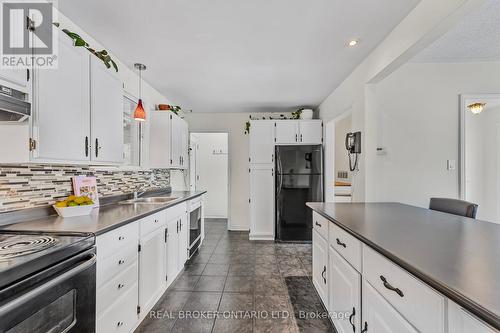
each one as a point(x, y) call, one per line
point(149, 201)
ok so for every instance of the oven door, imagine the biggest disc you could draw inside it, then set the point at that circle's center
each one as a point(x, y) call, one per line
point(194, 229)
point(60, 299)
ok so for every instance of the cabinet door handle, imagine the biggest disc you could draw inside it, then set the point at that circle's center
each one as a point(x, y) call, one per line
point(119, 324)
point(296, 139)
point(121, 262)
point(390, 287)
point(316, 222)
point(301, 138)
point(156, 220)
point(120, 285)
point(365, 329)
point(341, 244)
point(323, 274)
point(351, 317)
point(97, 147)
point(86, 146)
point(121, 238)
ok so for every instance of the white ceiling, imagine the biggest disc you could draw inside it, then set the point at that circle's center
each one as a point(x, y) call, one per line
point(475, 38)
point(240, 56)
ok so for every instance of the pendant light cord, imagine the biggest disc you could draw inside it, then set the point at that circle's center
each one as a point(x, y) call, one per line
point(140, 83)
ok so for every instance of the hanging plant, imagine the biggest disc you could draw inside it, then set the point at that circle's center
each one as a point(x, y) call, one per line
point(175, 109)
point(247, 127)
point(78, 41)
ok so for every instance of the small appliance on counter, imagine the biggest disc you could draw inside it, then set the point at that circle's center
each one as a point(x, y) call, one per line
point(47, 282)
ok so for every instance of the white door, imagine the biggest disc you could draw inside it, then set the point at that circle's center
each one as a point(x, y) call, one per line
point(379, 316)
point(344, 292)
point(261, 202)
point(319, 269)
point(171, 250)
point(311, 132)
point(183, 240)
point(151, 268)
point(261, 142)
point(106, 113)
point(461, 321)
point(61, 119)
point(287, 131)
point(160, 139)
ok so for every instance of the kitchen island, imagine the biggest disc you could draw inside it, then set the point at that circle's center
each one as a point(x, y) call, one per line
point(457, 257)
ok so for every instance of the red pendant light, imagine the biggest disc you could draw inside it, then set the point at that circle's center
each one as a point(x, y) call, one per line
point(139, 113)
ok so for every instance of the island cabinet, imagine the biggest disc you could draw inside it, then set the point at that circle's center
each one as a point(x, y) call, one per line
point(366, 292)
point(135, 265)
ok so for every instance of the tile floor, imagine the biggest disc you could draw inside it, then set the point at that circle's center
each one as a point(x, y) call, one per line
point(236, 285)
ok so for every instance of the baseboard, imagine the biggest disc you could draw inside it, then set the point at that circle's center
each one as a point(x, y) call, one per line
point(238, 228)
point(261, 237)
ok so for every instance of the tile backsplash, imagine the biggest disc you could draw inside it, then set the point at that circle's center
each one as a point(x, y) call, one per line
point(25, 186)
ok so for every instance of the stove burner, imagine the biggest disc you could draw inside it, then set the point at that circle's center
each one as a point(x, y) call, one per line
point(22, 245)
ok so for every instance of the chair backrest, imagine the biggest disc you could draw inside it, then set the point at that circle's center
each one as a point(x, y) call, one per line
point(454, 206)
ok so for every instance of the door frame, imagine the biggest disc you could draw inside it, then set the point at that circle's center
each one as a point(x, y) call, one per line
point(329, 155)
point(193, 131)
point(467, 99)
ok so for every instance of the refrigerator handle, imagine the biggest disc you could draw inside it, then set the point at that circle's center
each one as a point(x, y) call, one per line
point(279, 171)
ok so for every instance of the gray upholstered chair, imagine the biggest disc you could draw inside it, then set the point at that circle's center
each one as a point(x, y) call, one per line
point(454, 206)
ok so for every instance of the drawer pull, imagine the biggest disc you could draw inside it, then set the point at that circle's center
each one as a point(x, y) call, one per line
point(119, 324)
point(341, 244)
point(365, 329)
point(121, 262)
point(319, 225)
point(351, 317)
point(121, 285)
point(121, 238)
point(323, 274)
point(388, 286)
point(156, 220)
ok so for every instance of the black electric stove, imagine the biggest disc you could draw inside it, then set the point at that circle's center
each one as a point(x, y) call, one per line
point(47, 282)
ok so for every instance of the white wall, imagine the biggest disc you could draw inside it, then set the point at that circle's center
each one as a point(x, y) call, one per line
point(214, 172)
point(416, 112)
point(482, 162)
point(427, 22)
point(342, 127)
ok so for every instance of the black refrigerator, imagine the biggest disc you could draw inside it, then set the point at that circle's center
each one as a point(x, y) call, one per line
point(299, 179)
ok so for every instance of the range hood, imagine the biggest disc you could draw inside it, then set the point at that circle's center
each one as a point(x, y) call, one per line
point(13, 105)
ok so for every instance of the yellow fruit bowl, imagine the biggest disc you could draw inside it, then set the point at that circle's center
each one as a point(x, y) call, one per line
point(73, 210)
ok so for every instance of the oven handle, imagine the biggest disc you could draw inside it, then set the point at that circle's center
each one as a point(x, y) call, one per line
point(19, 301)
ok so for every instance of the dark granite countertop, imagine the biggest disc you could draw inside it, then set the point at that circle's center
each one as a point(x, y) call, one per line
point(104, 218)
point(459, 257)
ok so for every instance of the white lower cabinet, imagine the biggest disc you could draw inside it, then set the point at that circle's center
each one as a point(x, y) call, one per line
point(344, 293)
point(379, 316)
point(171, 251)
point(261, 202)
point(319, 269)
point(461, 321)
point(151, 268)
point(122, 316)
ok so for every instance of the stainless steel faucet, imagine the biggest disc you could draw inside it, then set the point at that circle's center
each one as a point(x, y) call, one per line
point(141, 189)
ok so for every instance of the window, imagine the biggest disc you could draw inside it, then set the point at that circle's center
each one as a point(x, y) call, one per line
point(132, 135)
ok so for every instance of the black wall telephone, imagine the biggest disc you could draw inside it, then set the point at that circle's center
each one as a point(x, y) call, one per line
point(353, 146)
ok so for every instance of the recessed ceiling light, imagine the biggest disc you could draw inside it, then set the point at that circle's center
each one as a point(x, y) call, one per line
point(353, 42)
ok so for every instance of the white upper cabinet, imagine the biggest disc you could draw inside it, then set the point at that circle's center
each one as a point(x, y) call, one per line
point(160, 139)
point(287, 132)
point(19, 77)
point(262, 142)
point(344, 288)
point(310, 132)
point(106, 113)
point(169, 140)
point(379, 315)
point(61, 107)
point(299, 132)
